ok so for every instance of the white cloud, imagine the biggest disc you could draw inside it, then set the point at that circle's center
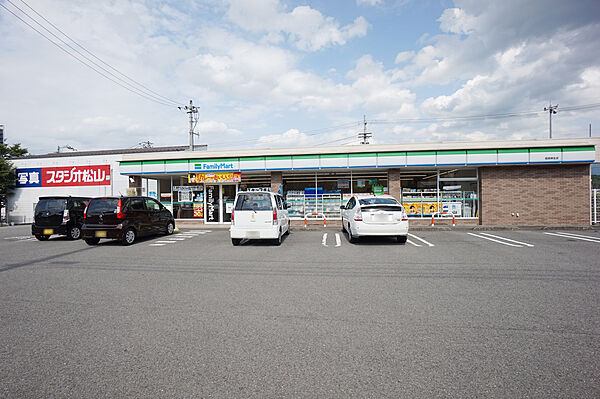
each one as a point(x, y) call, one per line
point(290, 138)
point(215, 128)
point(306, 27)
point(404, 56)
point(369, 2)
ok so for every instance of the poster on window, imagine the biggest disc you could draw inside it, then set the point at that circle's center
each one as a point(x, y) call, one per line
point(429, 208)
point(343, 183)
point(412, 208)
point(198, 209)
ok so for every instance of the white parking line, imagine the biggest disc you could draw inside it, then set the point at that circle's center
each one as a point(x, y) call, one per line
point(576, 237)
point(498, 241)
point(420, 239)
point(413, 243)
point(156, 245)
point(338, 241)
point(200, 231)
point(508, 239)
point(165, 242)
point(581, 235)
point(324, 242)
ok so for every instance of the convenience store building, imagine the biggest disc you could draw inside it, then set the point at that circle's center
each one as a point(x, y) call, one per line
point(527, 183)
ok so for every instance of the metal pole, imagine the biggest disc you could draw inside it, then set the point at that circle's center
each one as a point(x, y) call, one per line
point(550, 120)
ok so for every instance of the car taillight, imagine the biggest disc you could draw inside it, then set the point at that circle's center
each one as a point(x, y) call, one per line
point(120, 215)
point(358, 215)
point(404, 216)
point(65, 216)
point(85, 210)
point(232, 217)
point(274, 215)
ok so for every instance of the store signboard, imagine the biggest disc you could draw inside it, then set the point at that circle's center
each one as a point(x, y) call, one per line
point(64, 176)
point(217, 177)
point(219, 165)
point(188, 188)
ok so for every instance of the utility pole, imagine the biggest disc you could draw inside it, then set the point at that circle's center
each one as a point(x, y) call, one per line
point(551, 110)
point(590, 130)
point(193, 112)
point(364, 136)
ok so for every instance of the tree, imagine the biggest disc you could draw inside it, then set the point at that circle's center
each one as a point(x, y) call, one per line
point(7, 170)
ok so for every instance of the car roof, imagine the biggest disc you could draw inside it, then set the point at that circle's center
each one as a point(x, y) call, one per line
point(257, 192)
point(62, 197)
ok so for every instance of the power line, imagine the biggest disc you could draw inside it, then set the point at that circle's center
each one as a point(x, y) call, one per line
point(93, 55)
point(99, 59)
point(124, 85)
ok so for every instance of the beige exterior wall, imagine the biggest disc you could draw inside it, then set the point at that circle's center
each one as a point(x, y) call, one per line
point(394, 183)
point(549, 195)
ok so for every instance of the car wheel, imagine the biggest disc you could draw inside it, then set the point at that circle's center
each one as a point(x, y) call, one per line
point(170, 228)
point(42, 238)
point(236, 241)
point(352, 238)
point(401, 239)
point(74, 233)
point(128, 237)
point(92, 241)
point(277, 241)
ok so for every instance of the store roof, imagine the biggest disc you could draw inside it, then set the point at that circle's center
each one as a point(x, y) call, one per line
point(350, 149)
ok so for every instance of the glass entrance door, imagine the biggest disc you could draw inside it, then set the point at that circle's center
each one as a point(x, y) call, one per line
point(219, 202)
point(228, 196)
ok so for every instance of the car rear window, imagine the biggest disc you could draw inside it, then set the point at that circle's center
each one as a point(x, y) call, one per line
point(253, 202)
point(378, 201)
point(51, 205)
point(102, 205)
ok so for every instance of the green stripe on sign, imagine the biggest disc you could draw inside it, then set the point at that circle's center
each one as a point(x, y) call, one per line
point(553, 149)
point(129, 163)
point(334, 156)
point(249, 159)
point(279, 158)
point(451, 152)
point(391, 154)
point(590, 148)
point(419, 153)
point(214, 160)
point(153, 162)
point(513, 151)
point(176, 161)
point(305, 157)
point(363, 155)
point(482, 152)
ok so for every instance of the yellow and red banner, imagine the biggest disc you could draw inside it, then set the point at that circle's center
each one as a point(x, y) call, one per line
point(198, 209)
point(216, 177)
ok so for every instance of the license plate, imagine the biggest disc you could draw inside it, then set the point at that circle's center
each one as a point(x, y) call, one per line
point(382, 218)
point(48, 232)
point(253, 234)
point(101, 234)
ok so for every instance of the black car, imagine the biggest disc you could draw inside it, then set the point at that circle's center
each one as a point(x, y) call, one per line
point(58, 215)
point(125, 218)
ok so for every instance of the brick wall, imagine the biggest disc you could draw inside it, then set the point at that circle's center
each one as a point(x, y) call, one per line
point(394, 184)
point(547, 195)
point(276, 182)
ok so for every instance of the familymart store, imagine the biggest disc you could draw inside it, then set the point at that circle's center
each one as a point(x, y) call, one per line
point(518, 183)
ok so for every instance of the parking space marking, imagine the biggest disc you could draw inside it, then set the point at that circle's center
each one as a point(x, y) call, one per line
point(324, 242)
point(413, 243)
point(508, 239)
point(575, 236)
point(338, 241)
point(157, 245)
point(498, 241)
point(422, 240)
point(200, 231)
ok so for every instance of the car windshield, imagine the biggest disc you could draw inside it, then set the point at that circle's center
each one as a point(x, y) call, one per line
point(378, 201)
point(102, 205)
point(51, 205)
point(253, 202)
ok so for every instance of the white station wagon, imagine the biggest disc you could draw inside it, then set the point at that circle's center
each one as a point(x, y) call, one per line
point(259, 215)
point(374, 216)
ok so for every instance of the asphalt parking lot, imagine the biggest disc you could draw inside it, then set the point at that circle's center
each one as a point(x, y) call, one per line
point(448, 314)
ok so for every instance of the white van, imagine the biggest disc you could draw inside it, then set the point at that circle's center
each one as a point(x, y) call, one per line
point(259, 215)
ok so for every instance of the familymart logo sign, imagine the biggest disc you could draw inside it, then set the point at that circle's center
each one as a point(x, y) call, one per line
point(216, 166)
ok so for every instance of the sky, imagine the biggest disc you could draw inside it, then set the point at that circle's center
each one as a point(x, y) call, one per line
point(279, 73)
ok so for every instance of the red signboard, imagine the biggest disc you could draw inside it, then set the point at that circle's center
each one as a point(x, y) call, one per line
point(93, 175)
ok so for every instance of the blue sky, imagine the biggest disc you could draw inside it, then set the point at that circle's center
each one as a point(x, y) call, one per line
point(278, 73)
